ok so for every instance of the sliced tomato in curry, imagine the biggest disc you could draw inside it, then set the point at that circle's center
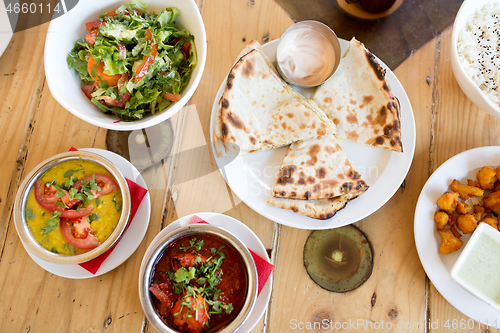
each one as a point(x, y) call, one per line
point(48, 199)
point(105, 182)
point(78, 233)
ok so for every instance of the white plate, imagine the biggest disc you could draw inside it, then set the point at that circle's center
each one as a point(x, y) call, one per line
point(5, 29)
point(130, 239)
point(436, 265)
point(248, 237)
point(252, 176)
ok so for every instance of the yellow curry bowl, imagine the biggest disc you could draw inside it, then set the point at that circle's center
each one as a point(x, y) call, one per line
point(28, 220)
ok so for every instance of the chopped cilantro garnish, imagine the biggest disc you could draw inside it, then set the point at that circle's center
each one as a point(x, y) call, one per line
point(94, 217)
point(98, 202)
point(60, 193)
point(93, 184)
point(61, 204)
point(51, 223)
point(29, 214)
point(118, 204)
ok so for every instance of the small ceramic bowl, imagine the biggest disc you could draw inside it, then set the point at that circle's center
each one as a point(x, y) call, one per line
point(323, 30)
point(154, 254)
point(65, 84)
point(477, 269)
point(27, 238)
point(471, 90)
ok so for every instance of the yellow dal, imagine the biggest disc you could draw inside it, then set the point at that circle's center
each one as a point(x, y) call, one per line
point(103, 227)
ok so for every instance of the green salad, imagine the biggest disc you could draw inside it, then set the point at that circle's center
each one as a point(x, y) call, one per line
point(132, 62)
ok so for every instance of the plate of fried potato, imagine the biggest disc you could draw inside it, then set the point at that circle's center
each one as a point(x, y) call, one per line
point(463, 192)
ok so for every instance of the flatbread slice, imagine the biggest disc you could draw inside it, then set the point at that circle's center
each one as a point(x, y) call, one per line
point(259, 111)
point(315, 169)
point(359, 101)
point(321, 209)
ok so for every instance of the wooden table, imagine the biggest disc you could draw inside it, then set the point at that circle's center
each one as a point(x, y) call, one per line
point(33, 126)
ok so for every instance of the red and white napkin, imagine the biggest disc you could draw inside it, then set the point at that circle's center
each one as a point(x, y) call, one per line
point(264, 268)
point(137, 193)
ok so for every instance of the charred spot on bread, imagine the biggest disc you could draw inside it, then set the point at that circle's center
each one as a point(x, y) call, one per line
point(235, 121)
point(361, 184)
point(354, 175)
point(224, 130)
point(225, 103)
point(321, 172)
point(307, 195)
point(346, 188)
point(230, 79)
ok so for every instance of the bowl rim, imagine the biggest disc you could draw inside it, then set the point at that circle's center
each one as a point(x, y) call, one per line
point(324, 30)
point(153, 255)
point(114, 122)
point(470, 89)
point(27, 238)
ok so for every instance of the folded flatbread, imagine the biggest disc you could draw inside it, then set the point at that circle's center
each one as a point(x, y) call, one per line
point(259, 111)
point(318, 209)
point(359, 101)
point(317, 168)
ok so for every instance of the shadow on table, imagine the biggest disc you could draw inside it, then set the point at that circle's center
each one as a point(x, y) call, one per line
point(392, 38)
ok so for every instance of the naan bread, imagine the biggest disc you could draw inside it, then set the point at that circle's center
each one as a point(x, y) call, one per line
point(322, 209)
point(359, 101)
point(259, 111)
point(317, 168)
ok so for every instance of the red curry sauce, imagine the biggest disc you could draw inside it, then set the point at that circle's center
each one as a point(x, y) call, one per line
point(199, 284)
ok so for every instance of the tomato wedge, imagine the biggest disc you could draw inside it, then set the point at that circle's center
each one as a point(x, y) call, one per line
point(113, 12)
point(111, 80)
point(105, 182)
point(124, 97)
point(48, 200)
point(90, 39)
point(142, 70)
point(172, 97)
point(78, 233)
point(92, 27)
point(87, 90)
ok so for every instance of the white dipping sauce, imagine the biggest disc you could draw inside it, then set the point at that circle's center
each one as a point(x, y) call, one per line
point(481, 268)
point(306, 56)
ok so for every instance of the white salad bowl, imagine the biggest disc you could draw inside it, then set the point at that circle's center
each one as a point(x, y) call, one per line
point(65, 84)
point(471, 90)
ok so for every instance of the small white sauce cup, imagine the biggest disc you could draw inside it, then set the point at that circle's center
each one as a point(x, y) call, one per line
point(463, 264)
point(325, 31)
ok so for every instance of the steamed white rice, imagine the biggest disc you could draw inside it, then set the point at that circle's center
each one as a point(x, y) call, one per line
point(479, 49)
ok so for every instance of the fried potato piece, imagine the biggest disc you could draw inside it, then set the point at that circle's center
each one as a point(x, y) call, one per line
point(471, 182)
point(453, 220)
point(450, 243)
point(492, 202)
point(455, 231)
point(487, 177)
point(478, 212)
point(467, 223)
point(463, 208)
point(441, 219)
point(497, 185)
point(448, 202)
point(466, 189)
point(491, 220)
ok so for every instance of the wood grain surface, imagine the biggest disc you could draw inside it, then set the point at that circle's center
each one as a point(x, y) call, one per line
point(33, 126)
